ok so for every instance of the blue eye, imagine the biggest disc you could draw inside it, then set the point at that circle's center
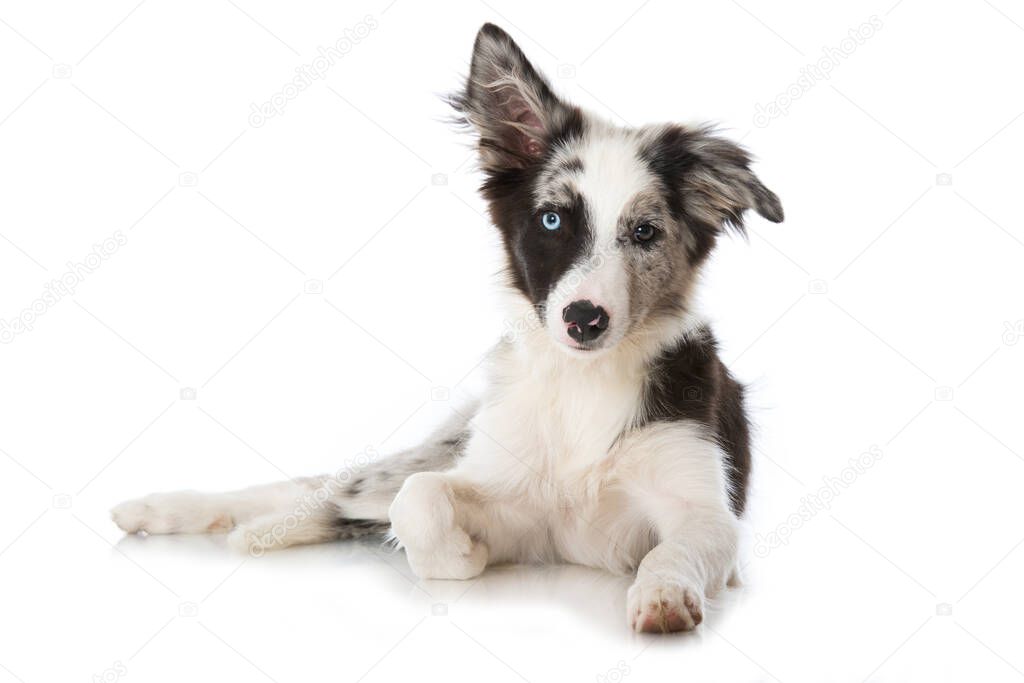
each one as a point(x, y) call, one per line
point(551, 220)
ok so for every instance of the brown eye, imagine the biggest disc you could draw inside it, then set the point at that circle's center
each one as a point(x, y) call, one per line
point(644, 232)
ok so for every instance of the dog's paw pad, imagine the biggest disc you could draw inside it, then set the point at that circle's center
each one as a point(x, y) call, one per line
point(664, 607)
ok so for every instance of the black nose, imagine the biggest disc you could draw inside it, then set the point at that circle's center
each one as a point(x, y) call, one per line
point(586, 321)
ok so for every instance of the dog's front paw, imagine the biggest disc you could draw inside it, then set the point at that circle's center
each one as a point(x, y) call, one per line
point(459, 558)
point(660, 606)
point(423, 522)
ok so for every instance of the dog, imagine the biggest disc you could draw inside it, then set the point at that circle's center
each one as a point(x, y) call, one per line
point(611, 434)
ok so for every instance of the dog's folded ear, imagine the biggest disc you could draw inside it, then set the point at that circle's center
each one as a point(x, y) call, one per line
point(509, 104)
point(713, 175)
point(722, 186)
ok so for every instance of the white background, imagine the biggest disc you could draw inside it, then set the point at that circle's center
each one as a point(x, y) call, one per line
point(885, 312)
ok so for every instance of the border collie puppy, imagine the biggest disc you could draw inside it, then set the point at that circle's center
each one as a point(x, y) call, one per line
point(611, 434)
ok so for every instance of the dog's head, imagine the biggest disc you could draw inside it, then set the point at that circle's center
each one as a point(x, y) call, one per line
point(604, 227)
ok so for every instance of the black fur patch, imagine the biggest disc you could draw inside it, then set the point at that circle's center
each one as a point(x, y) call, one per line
point(356, 528)
point(537, 257)
point(690, 382)
point(520, 122)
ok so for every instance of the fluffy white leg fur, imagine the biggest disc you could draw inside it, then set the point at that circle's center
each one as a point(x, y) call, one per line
point(275, 531)
point(677, 480)
point(351, 503)
point(664, 481)
point(195, 512)
point(696, 560)
point(424, 521)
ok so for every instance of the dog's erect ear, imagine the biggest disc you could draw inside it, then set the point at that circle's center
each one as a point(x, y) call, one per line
point(714, 176)
point(511, 106)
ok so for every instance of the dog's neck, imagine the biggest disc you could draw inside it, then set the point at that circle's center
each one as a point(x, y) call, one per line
point(564, 410)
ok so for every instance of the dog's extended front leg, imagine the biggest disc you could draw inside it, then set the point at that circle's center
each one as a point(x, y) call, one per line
point(695, 559)
point(431, 519)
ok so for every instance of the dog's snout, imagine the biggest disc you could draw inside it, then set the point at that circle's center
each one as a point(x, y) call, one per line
point(585, 320)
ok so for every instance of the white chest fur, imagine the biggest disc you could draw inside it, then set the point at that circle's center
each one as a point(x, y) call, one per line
point(550, 420)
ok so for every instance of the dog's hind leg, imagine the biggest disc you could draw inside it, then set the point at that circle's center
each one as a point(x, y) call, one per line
point(353, 502)
point(195, 512)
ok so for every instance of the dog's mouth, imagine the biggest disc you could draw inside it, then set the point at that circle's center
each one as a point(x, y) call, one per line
point(575, 347)
point(581, 346)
